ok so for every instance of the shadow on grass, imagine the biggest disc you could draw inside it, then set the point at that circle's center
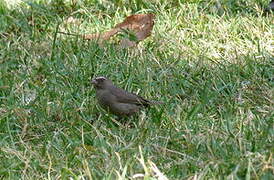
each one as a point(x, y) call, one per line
point(235, 8)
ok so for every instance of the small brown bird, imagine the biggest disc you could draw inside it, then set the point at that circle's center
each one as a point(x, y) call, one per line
point(117, 100)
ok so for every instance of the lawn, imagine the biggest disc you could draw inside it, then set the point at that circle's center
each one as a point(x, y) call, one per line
point(210, 62)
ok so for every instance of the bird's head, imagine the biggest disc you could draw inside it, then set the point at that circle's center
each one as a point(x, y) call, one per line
point(101, 82)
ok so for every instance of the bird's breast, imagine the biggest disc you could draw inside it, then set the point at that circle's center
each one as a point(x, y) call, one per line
point(105, 98)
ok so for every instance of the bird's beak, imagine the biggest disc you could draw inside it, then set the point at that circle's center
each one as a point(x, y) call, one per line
point(93, 82)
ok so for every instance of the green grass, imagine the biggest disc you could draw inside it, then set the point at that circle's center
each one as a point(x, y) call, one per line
point(211, 62)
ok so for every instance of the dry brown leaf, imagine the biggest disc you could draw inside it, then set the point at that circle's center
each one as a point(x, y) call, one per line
point(127, 43)
point(140, 24)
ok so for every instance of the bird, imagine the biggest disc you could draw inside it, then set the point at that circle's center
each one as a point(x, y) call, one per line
point(118, 101)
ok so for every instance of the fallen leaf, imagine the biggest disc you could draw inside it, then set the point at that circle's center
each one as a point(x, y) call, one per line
point(127, 43)
point(138, 24)
point(141, 24)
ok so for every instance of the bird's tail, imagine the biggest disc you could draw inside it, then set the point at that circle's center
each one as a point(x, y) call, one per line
point(152, 102)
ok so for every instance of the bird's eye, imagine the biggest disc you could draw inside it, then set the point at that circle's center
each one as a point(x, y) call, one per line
point(101, 79)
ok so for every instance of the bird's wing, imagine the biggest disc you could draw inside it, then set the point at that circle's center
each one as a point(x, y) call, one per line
point(123, 96)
